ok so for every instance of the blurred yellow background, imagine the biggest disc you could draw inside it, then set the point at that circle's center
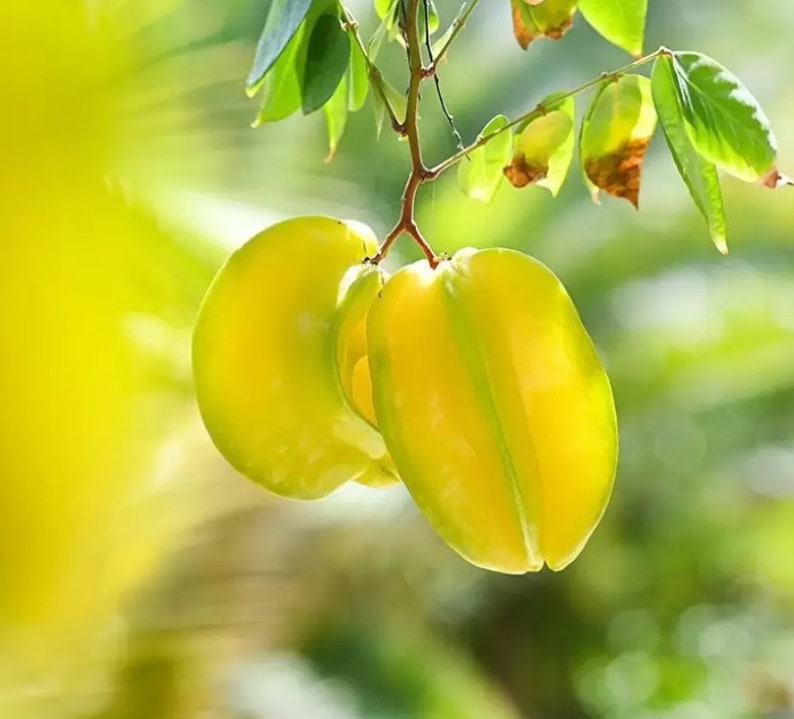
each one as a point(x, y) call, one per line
point(141, 577)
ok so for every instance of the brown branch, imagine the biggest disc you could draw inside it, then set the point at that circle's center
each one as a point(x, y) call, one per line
point(406, 224)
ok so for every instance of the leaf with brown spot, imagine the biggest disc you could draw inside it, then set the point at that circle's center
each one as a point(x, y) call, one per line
point(523, 28)
point(618, 173)
point(520, 172)
point(543, 149)
point(615, 134)
point(548, 18)
point(774, 179)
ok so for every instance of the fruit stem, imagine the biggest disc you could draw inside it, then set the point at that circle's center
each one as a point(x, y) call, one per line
point(410, 128)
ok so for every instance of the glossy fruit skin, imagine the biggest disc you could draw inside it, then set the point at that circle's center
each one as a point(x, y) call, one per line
point(265, 360)
point(358, 290)
point(495, 407)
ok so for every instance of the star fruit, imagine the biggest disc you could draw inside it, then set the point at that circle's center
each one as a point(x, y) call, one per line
point(473, 381)
point(495, 407)
point(279, 329)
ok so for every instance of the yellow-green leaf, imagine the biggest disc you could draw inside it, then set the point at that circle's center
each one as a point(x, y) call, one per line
point(543, 150)
point(615, 135)
point(481, 171)
point(551, 18)
point(622, 22)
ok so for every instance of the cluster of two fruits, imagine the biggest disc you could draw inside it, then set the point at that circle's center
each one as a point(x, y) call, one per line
point(474, 383)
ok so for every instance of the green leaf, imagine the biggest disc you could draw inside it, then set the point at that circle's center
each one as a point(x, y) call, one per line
point(280, 89)
point(543, 150)
point(389, 12)
point(440, 42)
point(335, 111)
point(358, 79)
point(396, 99)
point(385, 8)
point(433, 20)
point(387, 15)
point(699, 174)
point(550, 18)
point(397, 102)
point(327, 58)
point(622, 22)
point(723, 120)
point(376, 41)
point(481, 171)
point(283, 21)
point(379, 108)
point(615, 135)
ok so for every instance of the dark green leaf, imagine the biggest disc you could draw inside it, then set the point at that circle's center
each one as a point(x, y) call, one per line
point(327, 58)
point(699, 174)
point(282, 23)
point(281, 89)
point(622, 22)
point(724, 121)
point(385, 8)
point(481, 171)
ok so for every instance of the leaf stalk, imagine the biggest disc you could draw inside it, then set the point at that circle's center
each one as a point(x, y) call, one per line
point(540, 110)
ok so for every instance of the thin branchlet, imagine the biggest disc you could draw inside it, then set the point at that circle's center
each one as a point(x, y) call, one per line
point(437, 80)
point(419, 173)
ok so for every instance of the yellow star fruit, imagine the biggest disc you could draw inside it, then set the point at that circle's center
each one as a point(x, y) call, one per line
point(474, 382)
point(359, 287)
point(494, 406)
point(279, 359)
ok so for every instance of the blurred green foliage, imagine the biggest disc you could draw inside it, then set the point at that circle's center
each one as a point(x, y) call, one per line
point(681, 606)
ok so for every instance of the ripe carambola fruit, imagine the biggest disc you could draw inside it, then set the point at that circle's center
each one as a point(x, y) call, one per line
point(360, 285)
point(494, 406)
point(277, 354)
